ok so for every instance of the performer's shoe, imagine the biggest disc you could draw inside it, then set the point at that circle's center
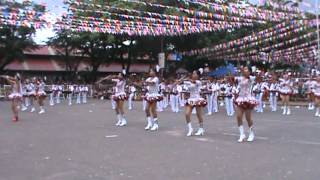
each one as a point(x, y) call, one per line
point(242, 138)
point(42, 111)
point(284, 112)
point(15, 119)
point(242, 135)
point(155, 127)
point(24, 108)
point(33, 109)
point(251, 135)
point(123, 122)
point(200, 132)
point(190, 132)
point(288, 111)
point(149, 125)
point(118, 123)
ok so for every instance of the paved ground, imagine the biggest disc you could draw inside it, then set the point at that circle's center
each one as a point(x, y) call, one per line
point(82, 143)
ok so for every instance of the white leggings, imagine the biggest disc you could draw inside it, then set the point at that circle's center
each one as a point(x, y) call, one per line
point(273, 101)
point(229, 105)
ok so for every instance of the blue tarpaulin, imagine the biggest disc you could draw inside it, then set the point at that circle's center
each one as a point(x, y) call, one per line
point(223, 71)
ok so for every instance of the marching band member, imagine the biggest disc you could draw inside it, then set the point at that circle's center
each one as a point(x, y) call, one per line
point(84, 92)
point(265, 93)
point(285, 92)
point(144, 101)
point(258, 90)
point(77, 92)
point(195, 101)
point(24, 99)
point(215, 94)
point(31, 88)
point(245, 104)
point(181, 96)
point(210, 94)
point(228, 98)
point(41, 95)
point(52, 95)
point(15, 95)
point(69, 93)
point(132, 91)
point(59, 92)
point(273, 97)
point(316, 92)
point(160, 103)
point(152, 97)
point(174, 98)
point(309, 85)
point(166, 95)
point(119, 96)
point(222, 91)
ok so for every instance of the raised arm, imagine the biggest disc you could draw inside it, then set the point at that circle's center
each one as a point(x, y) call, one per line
point(181, 80)
point(105, 78)
point(11, 80)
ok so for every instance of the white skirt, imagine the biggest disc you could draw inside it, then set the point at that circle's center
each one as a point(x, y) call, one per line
point(120, 96)
point(153, 97)
point(285, 91)
point(15, 96)
point(316, 94)
point(32, 93)
point(41, 93)
point(246, 102)
point(196, 102)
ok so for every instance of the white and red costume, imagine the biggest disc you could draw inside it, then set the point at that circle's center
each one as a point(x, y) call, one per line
point(119, 93)
point(245, 98)
point(153, 90)
point(195, 99)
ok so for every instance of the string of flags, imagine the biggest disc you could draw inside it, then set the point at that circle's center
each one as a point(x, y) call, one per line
point(259, 39)
point(230, 9)
point(23, 17)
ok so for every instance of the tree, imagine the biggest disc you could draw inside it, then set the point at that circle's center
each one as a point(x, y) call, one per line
point(98, 47)
point(14, 40)
point(67, 45)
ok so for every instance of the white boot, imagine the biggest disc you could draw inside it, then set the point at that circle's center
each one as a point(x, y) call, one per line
point(200, 132)
point(242, 135)
point(288, 111)
point(149, 125)
point(33, 109)
point(317, 112)
point(155, 126)
point(123, 122)
point(190, 130)
point(41, 110)
point(309, 106)
point(251, 135)
point(119, 119)
point(23, 108)
point(284, 110)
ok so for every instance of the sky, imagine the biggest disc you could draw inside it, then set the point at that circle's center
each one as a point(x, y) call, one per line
point(56, 8)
